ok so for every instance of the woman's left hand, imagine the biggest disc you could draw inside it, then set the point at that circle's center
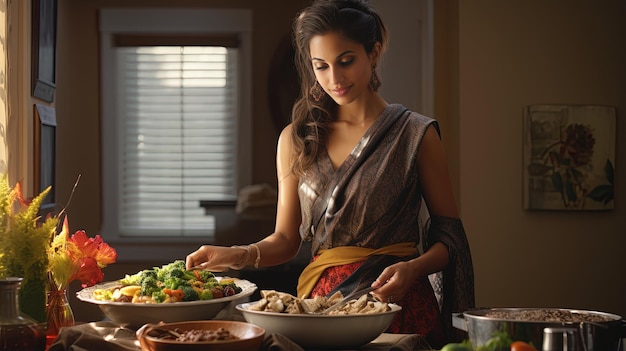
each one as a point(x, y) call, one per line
point(393, 283)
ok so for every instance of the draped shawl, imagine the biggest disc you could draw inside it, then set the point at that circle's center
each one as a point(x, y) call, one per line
point(374, 198)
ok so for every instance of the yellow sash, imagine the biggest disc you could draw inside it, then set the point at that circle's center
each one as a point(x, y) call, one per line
point(344, 255)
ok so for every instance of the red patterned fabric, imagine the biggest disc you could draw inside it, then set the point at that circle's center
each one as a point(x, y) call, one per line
point(419, 313)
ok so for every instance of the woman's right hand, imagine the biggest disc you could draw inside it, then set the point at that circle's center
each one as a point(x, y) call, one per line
point(217, 258)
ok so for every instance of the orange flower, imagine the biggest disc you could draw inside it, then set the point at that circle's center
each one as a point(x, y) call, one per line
point(79, 257)
point(95, 248)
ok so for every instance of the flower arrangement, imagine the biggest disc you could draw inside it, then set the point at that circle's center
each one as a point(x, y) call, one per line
point(78, 257)
point(70, 258)
point(47, 258)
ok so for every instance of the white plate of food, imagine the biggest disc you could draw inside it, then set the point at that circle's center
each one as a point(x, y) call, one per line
point(121, 309)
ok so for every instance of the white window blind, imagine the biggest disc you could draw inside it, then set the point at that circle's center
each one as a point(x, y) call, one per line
point(177, 129)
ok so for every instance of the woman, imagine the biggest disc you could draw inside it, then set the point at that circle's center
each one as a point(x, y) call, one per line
point(353, 174)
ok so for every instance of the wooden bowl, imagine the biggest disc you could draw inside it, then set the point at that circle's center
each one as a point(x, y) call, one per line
point(249, 336)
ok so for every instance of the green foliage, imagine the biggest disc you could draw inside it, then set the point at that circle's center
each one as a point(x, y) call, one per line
point(24, 243)
point(456, 347)
point(499, 341)
point(604, 192)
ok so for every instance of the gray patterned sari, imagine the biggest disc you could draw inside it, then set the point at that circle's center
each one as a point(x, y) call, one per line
point(374, 199)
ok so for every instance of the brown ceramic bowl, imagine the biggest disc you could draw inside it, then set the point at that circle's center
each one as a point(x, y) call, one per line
point(248, 336)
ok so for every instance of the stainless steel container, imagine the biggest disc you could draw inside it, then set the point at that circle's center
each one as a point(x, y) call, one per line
point(593, 336)
point(560, 339)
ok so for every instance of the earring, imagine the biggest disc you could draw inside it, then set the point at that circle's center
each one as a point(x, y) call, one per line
point(374, 81)
point(316, 91)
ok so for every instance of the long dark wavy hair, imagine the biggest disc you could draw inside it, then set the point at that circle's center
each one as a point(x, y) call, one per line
point(354, 20)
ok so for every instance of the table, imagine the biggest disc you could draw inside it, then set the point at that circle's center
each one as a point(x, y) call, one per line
point(104, 335)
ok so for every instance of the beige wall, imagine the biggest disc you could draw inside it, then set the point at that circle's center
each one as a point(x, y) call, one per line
point(512, 54)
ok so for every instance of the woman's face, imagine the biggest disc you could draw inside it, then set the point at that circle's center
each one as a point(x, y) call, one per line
point(341, 66)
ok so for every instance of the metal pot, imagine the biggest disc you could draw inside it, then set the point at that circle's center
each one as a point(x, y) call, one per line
point(592, 336)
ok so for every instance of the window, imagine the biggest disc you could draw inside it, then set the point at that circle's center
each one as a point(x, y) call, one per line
point(175, 118)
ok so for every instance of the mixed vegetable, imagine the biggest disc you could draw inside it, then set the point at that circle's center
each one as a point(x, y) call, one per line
point(170, 283)
point(500, 341)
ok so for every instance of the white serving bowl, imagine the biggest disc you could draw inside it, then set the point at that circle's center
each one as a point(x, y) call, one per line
point(322, 331)
point(134, 315)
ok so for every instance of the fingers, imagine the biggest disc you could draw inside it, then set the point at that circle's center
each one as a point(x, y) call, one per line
point(383, 278)
point(190, 261)
point(391, 284)
point(209, 257)
point(196, 258)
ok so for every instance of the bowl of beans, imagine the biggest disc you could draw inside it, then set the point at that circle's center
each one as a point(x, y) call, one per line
point(205, 335)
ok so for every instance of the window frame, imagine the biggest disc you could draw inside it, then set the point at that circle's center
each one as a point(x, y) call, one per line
point(167, 21)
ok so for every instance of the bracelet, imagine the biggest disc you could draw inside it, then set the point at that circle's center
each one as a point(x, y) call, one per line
point(242, 263)
point(258, 255)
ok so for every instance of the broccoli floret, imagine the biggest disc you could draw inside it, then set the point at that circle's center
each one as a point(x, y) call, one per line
point(205, 276)
point(190, 294)
point(149, 285)
point(148, 274)
point(184, 283)
point(176, 283)
point(159, 296)
point(172, 283)
point(174, 270)
point(206, 294)
point(164, 272)
point(138, 277)
point(176, 264)
point(182, 274)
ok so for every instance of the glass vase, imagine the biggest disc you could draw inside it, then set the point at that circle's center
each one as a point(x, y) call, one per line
point(18, 331)
point(59, 313)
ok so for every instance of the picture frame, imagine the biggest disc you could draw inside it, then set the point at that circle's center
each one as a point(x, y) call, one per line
point(45, 152)
point(569, 157)
point(44, 28)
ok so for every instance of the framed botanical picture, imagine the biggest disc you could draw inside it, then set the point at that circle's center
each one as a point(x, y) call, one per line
point(44, 28)
point(569, 157)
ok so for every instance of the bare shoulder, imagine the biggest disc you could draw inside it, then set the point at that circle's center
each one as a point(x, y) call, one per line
point(284, 153)
point(285, 134)
point(431, 146)
point(285, 142)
